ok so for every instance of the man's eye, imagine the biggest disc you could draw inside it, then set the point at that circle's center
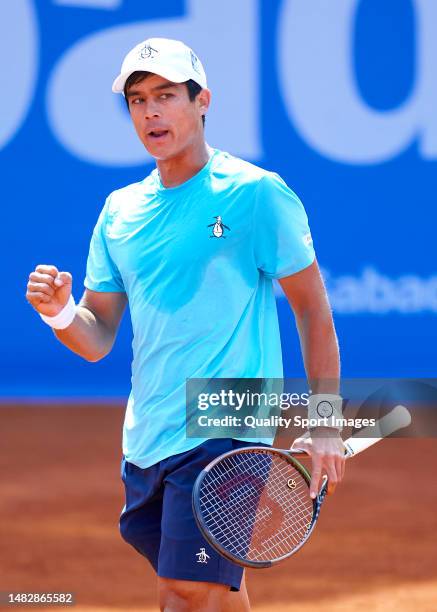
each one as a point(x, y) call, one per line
point(136, 101)
point(165, 96)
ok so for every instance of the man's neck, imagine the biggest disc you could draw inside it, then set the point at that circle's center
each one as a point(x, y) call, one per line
point(177, 170)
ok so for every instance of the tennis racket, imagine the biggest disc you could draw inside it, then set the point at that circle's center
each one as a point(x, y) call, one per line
point(253, 504)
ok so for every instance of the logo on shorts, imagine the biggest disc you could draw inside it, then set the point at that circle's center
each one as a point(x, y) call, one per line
point(202, 557)
point(218, 228)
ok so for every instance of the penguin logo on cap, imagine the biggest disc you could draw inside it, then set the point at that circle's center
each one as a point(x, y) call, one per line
point(218, 228)
point(147, 51)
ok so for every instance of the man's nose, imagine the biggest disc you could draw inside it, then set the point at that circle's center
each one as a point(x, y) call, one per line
point(151, 109)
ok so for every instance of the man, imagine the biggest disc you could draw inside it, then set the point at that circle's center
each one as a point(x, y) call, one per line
point(193, 248)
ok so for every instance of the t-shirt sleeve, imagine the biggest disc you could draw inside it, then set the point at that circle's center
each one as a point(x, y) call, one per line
point(282, 238)
point(101, 272)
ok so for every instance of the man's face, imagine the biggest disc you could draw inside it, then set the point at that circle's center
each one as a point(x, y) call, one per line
point(165, 119)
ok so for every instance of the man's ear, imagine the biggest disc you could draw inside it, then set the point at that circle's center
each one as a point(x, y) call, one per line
point(204, 100)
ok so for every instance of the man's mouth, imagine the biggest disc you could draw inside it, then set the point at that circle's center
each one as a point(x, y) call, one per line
point(157, 134)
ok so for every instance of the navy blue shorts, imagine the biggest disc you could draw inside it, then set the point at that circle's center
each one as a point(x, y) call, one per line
point(158, 519)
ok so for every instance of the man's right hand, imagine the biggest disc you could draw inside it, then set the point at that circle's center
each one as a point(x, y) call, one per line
point(48, 290)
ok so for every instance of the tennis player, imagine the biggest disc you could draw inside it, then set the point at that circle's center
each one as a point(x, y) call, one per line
point(193, 248)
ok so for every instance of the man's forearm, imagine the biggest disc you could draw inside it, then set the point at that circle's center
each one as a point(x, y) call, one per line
point(87, 335)
point(307, 296)
point(320, 352)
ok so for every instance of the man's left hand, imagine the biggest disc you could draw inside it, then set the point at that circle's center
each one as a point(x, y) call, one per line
point(328, 457)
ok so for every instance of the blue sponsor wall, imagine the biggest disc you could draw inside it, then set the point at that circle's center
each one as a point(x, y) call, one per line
point(338, 97)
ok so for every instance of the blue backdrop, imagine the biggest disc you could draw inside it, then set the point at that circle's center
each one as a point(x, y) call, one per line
point(338, 97)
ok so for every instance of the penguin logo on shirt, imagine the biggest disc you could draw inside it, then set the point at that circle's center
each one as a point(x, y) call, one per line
point(218, 228)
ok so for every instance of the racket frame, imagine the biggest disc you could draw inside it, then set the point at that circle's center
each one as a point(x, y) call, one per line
point(264, 450)
point(398, 418)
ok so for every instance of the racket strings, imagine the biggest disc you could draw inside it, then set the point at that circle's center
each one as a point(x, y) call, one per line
point(256, 505)
point(263, 517)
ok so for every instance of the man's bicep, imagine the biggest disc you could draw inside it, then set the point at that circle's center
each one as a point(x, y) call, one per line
point(305, 289)
point(108, 306)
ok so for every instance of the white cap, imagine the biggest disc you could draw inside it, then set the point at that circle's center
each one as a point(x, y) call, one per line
point(171, 59)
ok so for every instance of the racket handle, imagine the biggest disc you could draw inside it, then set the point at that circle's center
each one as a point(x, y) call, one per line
point(398, 418)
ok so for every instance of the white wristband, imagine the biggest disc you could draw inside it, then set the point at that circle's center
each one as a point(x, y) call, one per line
point(64, 318)
point(325, 410)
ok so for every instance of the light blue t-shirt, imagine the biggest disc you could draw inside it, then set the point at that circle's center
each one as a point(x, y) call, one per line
point(196, 262)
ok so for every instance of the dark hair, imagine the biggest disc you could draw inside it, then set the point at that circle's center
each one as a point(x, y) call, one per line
point(193, 88)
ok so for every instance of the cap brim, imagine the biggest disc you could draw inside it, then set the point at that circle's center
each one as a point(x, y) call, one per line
point(165, 73)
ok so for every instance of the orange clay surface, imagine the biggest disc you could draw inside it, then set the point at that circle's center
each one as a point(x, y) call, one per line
point(375, 547)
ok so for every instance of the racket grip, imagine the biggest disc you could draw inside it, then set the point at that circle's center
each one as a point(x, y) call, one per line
point(398, 418)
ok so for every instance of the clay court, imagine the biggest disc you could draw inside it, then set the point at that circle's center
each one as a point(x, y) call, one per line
point(375, 547)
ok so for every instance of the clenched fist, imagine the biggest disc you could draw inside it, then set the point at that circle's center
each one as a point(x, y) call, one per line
point(48, 290)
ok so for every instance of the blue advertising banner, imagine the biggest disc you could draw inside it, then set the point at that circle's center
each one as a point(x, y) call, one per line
point(337, 97)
